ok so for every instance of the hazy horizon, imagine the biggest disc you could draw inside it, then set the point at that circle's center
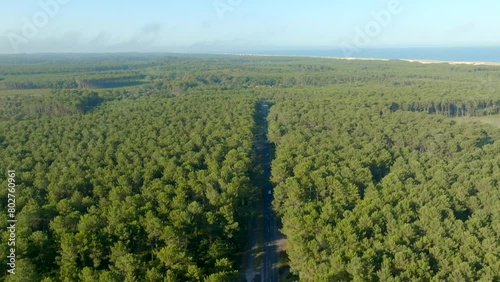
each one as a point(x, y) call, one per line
point(220, 26)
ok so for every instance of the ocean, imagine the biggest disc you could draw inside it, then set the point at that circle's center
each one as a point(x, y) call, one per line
point(462, 54)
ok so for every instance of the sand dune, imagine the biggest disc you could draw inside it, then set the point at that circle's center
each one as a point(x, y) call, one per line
point(453, 62)
point(380, 59)
point(422, 61)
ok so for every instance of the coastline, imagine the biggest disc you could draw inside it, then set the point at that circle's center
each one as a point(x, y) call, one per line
point(420, 61)
point(452, 62)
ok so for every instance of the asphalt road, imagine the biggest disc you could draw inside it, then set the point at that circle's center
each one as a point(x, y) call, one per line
point(267, 271)
point(269, 268)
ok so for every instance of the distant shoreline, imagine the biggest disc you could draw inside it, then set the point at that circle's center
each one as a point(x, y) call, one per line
point(420, 61)
point(452, 62)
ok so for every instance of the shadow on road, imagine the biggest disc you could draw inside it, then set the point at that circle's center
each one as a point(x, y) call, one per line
point(261, 259)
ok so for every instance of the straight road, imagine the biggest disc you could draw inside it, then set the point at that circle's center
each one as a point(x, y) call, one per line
point(267, 271)
point(270, 261)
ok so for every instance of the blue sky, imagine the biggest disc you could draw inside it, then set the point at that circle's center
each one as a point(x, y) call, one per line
point(234, 25)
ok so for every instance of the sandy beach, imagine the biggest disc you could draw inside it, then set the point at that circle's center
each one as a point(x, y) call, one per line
point(453, 62)
point(417, 61)
point(380, 59)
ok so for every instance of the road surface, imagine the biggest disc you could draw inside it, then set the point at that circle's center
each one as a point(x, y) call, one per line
point(270, 261)
point(267, 271)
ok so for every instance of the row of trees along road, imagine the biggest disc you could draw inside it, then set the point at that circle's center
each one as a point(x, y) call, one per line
point(135, 190)
point(366, 195)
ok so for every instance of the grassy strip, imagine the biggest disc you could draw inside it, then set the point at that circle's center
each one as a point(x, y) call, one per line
point(493, 120)
point(28, 92)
